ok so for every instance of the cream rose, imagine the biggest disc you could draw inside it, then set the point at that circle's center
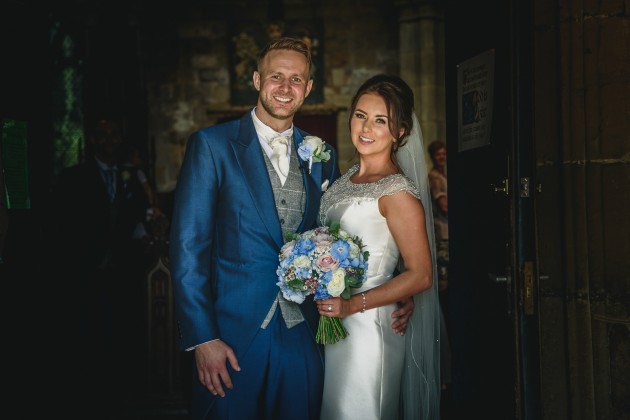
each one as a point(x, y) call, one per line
point(310, 234)
point(313, 149)
point(337, 285)
point(302, 262)
point(354, 250)
point(316, 144)
point(344, 235)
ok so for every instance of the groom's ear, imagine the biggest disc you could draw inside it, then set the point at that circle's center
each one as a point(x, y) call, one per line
point(256, 80)
point(309, 86)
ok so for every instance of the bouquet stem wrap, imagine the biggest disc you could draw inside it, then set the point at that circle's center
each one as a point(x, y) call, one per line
point(330, 330)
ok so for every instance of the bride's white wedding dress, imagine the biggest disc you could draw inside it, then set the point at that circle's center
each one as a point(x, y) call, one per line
point(363, 371)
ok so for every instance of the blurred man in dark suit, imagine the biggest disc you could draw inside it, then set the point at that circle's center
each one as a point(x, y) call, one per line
point(96, 208)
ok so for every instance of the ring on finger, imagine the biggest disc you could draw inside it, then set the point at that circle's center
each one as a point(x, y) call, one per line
point(329, 308)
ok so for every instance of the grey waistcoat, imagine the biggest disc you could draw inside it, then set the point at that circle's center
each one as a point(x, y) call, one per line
point(290, 199)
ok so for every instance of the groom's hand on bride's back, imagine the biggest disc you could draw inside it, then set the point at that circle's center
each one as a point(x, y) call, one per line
point(402, 315)
point(211, 359)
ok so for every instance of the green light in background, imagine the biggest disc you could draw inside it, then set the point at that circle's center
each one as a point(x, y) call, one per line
point(14, 157)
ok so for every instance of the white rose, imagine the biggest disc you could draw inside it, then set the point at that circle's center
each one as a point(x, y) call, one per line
point(337, 284)
point(343, 235)
point(313, 149)
point(309, 234)
point(355, 251)
point(322, 248)
point(316, 142)
point(302, 262)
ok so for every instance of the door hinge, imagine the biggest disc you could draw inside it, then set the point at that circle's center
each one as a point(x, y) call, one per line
point(528, 292)
point(524, 187)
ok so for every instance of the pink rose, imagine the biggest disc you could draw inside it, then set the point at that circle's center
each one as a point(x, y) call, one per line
point(287, 249)
point(323, 239)
point(326, 262)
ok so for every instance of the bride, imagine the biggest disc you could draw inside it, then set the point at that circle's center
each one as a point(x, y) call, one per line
point(377, 373)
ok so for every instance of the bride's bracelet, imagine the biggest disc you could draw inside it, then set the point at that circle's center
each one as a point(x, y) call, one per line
point(363, 296)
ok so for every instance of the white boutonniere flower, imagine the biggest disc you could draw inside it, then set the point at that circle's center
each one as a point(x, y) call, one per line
point(313, 149)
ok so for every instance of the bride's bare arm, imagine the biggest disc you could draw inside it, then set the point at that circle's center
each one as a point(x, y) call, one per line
point(406, 221)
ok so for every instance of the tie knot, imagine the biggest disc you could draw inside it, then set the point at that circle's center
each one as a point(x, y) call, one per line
point(279, 157)
point(279, 141)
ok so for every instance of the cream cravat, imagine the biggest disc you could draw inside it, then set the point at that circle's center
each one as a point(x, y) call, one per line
point(279, 158)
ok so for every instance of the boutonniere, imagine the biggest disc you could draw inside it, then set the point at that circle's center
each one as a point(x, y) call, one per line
point(313, 149)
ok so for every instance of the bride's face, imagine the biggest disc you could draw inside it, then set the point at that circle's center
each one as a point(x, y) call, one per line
point(369, 126)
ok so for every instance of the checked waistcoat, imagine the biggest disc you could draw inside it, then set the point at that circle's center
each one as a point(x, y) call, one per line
point(290, 199)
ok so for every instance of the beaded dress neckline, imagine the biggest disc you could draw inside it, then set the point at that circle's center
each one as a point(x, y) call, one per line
point(344, 190)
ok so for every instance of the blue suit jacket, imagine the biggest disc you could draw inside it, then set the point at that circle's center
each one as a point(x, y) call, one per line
point(226, 235)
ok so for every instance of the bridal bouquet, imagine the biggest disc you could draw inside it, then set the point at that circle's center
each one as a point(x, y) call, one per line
point(323, 262)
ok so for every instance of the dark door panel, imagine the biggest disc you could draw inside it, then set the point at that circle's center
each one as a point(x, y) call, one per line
point(493, 339)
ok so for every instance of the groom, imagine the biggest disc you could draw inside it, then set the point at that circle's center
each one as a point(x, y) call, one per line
point(255, 353)
point(231, 212)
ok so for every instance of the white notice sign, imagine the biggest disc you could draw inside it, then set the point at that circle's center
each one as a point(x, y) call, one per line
point(475, 89)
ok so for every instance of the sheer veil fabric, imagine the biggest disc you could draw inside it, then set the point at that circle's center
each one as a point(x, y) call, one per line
point(420, 392)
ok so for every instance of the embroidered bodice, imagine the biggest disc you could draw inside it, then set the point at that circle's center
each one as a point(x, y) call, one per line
point(344, 191)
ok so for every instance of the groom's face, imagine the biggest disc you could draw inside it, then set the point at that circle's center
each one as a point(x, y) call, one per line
point(283, 83)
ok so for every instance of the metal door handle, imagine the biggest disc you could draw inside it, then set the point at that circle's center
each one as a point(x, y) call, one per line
point(502, 188)
point(498, 279)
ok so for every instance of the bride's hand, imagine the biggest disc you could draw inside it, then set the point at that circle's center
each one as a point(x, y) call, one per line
point(334, 307)
point(402, 315)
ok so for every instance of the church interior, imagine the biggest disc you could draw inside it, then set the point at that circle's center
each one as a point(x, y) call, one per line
point(552, 344)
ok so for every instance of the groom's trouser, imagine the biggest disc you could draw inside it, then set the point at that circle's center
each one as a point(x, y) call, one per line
point(281, 377)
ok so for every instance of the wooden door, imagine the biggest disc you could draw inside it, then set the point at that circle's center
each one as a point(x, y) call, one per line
point(491, 306)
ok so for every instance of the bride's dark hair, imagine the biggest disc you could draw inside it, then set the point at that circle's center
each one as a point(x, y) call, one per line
point(399, 101)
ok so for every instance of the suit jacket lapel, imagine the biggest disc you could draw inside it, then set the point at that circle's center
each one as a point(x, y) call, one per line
point(249, 157)
point(313, 193)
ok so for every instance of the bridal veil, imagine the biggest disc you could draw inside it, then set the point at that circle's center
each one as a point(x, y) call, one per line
point(420, 391)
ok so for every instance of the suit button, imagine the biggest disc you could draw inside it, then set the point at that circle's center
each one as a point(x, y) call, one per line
point(283, 201)
point(282, 221)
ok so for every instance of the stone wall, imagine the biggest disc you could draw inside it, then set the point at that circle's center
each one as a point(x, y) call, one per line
point(582, 133)
point(187, 64)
